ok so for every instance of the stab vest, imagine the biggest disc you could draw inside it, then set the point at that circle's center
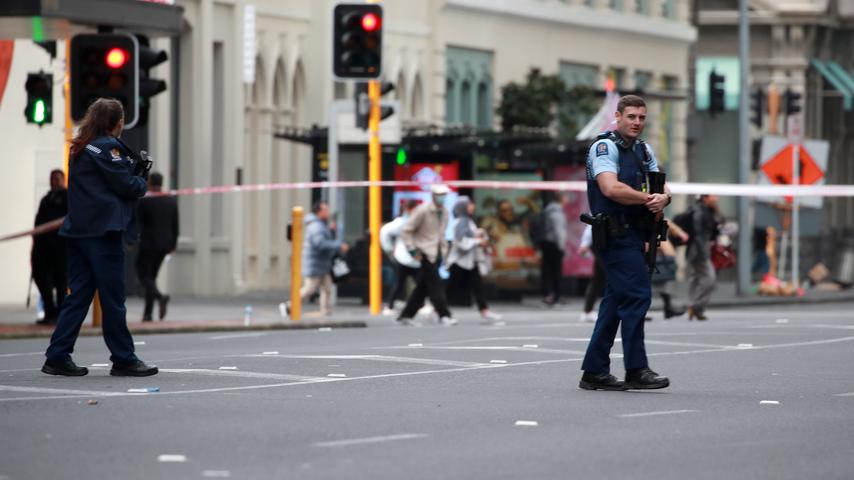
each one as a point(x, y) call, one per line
point(632, 172)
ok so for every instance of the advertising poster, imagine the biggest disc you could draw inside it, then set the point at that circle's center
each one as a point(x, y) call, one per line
point(574, 264)
point(507, 215)
point(427, 174)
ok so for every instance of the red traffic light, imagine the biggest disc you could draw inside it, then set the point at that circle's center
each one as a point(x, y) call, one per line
point(116, 57)
point(370, 22)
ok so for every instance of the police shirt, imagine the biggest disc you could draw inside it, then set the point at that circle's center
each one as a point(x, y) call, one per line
point(604, 156)
point(102, 191)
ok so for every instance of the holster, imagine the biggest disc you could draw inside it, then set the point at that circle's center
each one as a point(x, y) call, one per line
point(603, 228)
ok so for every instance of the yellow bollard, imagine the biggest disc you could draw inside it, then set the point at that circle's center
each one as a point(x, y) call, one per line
point(375, 287)
point(296, 262)
point(97, 314)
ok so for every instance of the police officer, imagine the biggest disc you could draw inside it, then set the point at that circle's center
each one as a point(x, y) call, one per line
point(102, 196)
point(617, 164)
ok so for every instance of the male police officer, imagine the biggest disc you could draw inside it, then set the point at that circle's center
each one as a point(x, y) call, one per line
point(617, 165)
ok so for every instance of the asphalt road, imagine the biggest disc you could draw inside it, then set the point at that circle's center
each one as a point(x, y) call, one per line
point(756, 393)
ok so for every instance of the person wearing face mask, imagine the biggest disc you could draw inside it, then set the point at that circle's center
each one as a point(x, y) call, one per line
point(105, 182)
point(424, 237)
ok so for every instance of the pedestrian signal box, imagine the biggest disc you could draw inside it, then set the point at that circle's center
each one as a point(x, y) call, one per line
point(105, 65)
point(39, 109)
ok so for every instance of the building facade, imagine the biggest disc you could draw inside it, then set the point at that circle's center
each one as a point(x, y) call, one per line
point(243, 70)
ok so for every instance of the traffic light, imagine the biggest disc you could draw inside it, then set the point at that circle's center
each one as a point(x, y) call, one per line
point(357, 40)
point(39, 109)
point(363, 103)
point(402, 156)
point(148, 87)
point(793, 102)
point(716, 92)
point(104, 65)
point(757, 103)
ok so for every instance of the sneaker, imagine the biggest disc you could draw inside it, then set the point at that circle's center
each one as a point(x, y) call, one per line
point(388, 312)
point(66, 368)
point(137, 368)
point(409, 322)
point(600, 381)
point(284, 311)
point(448, 321)
point(589, 317)
point(426, 310)
point(645, 379)
point(490, 315)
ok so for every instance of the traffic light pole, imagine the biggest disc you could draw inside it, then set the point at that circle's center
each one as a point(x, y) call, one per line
point(744, 220)
point(374, 199)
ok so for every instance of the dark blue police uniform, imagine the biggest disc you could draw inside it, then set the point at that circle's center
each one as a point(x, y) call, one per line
point(628, 293)
point(102, 195)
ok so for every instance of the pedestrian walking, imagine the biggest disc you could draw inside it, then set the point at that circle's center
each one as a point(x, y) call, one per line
point(553, 246)
point(106, 179)
point(467, 259)
point(701, 272)
point(48, 257)
point(157, 216)
point(404, 264)
point(319, 249)
point(596, 286)
point(424, 237)
point(665, 272)
point(617, 167)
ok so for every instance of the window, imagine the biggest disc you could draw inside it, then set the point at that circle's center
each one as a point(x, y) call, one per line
point(578, 74)
point(643, 80)
point(469, 82)
point(467, 115)
point(450, 102)
point(642, 7)
point(616, 5)
point(668, 9)
point(483, 106)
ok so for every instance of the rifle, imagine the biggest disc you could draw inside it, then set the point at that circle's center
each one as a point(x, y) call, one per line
point(658, 228)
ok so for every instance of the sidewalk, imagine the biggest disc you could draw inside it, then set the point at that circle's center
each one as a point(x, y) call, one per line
point(195, 314)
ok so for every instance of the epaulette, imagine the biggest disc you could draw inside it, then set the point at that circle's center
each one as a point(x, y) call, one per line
point(93, 148)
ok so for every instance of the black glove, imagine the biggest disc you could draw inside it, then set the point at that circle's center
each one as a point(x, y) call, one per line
point(143, 165)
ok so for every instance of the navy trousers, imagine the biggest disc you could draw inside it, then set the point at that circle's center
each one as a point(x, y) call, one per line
point(94, 263)
point(625, 304)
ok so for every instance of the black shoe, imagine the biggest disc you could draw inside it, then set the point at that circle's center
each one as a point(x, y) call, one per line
point(146, 318)
point(50, 321)
point(135, 369)
point(65, 368)
point(696, 312)
point(674, 312)
point(163, 302)
point(600, 381)
point(645, 379)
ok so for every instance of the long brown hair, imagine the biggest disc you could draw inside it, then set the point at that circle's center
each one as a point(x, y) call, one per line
point(100, 119)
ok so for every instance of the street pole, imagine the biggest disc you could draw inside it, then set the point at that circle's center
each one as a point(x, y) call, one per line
point(374, 199)
point(795, 138)
point(744, 229)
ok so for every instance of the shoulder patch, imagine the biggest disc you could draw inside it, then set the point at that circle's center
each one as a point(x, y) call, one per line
point(601, 149)
point(93, 148)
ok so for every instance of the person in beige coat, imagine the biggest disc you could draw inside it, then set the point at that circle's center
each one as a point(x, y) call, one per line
point(424, 237)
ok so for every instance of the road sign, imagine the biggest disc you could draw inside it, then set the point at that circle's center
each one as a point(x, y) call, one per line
point(776, 165)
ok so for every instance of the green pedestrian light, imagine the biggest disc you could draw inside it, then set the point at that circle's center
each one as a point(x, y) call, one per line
point(401, 156)
point(39, 111)
point(39, 108)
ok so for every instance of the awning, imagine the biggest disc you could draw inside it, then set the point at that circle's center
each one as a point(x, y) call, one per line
point(42, 20)
point(839, 78)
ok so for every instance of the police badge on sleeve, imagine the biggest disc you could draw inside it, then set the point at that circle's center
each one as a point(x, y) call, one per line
point(116, 154)
point(601, 149)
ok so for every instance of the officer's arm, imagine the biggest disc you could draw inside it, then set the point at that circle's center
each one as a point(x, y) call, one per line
point(119, 178)
point(619, 191)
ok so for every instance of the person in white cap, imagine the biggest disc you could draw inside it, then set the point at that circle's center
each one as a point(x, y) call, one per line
point(424, 237)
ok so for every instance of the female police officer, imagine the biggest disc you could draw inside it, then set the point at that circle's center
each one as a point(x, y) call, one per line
point(102, 194)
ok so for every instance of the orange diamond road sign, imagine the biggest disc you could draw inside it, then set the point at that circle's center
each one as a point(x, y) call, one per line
point(779, 167)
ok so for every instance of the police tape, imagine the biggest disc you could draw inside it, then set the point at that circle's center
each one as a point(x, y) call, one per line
point(677, 188)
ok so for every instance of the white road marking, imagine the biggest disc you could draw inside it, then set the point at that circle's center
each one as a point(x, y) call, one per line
point(171, 458)
point(57, 391)
point(271, 353)
point(509, 348)
point(744, 345)
point(781, 320)
point(526, 423)
point(242, 374)
point(324, 329)
point(501, 362)
point(216, 474)
point(7, 355)
point(337, 375)
point(227, 368)
point(139, 343)
point(423, 372)
point(769, 402)
point(382, 358)
point(144, 390)
point(238, 335)
point(651, 414)
point(530, 345)
point(100, 365)
point(366, 440)
point(416, 345)
point(849, 394)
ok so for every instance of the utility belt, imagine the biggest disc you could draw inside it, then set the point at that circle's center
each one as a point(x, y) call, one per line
point(606, 227)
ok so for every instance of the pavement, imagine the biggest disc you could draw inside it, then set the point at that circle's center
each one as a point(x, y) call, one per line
point(760, 392)
point(195, 314)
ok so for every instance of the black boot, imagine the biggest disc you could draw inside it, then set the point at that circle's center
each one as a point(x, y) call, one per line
point(645, 379)
point(600, 381)
point(66, 368)
point(669, 309)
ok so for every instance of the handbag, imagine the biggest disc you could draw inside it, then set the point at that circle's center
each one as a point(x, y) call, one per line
point(722, 257)
point(340, 269)
point(665, 269)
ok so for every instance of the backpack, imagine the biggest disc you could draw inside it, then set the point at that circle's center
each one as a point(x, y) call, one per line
point(685, 221)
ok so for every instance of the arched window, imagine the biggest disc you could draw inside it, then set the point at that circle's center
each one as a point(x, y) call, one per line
point(450, 102)
point(415, 105)
point(484, 113)
point(466, 106)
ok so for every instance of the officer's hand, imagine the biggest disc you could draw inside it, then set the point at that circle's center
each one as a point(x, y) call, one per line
point(656, 202)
